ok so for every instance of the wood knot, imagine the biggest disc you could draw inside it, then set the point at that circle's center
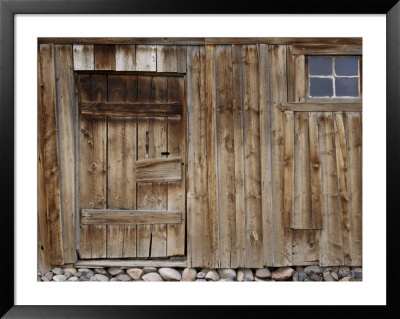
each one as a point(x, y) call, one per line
point(94, 165)
point(315, 164)
point(254, 237)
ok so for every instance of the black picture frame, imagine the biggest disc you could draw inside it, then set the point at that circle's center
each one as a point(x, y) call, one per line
point(8, 8)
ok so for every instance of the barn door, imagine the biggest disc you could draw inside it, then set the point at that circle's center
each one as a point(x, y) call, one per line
point(132, 164)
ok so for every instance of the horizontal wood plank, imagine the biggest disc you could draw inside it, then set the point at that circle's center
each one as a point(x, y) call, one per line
point(100, 263)
point(327, 49)
point(159, 170)
point(129, 217)
point(319, 107)
point(131, 109)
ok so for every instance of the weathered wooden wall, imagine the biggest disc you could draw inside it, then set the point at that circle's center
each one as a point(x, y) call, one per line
point(267, 184)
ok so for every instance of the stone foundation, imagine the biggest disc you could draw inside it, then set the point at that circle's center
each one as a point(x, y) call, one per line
point(309, 273)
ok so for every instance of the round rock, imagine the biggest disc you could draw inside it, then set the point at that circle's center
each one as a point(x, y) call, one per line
point(189, 274)
point(67, 274)
point(59, 278)
point(313, 270)
point(100, 271)
point(70, 270)
point(115, 271)
point(84, 271)
point(343, 271)
point(123, 277)
point(328, 276)
point(78, 274)
point(282, 273)
point(135, 273)
point(73, 279)
point(57, 271)
point(263, 273)
point(152, 276)
point(244, 275)
point(100, 277)
point(212, 275)
point(48, 275)
point(200, 280)
point(316, 277)
point(299, 276)
point(201, 275)
point(146, 270)
point(227, 273)
point(170, 274)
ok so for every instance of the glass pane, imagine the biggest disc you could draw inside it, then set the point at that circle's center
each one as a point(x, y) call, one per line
point(346, 86)
point(347, 65)
point(321, 87)
point(320, 65)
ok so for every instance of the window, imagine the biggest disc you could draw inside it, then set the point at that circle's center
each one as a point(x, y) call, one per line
point(334, 76)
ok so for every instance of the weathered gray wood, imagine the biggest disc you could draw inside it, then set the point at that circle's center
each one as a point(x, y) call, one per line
point(159, 170)
point(125, 57)
point(322, 107)
point(66, 121)
point(146, 58)
point(129, 217)
point(83, 57)
point(167, 58)
point(101, 263)
point(327, 49)
point(131, 109)
point(288, 171)
point(49, 206)
point(305, 247)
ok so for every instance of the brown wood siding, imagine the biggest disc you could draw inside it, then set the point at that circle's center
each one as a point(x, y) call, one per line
point(271, 178)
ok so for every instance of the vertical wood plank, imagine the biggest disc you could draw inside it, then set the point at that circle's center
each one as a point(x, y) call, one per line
point(341, 167)
point(353, 129)
point(93, 170)
point(296, 76)
point(49, 206)
point(225, 156)
point(83, 57)
point(115, 240)
point(278, 90)
point(210, 103)
point(158, 128)
point(176, 190)
point(288, 180)
point(239, 158)
point(254, 240)
point(125, 57)
point(315, 169)
point(66, 121)
point(302, 197)
point(181, 53)
point(305, 247)
point(198, 233)
point(104, 57)
point(265, 149)
point(331, 243)
point(167, 58)
point(143, 189)
point(146, 58)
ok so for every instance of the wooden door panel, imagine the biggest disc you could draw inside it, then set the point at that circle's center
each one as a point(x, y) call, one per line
point(131, 167)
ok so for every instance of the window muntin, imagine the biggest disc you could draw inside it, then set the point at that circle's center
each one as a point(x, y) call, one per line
point(334, 76)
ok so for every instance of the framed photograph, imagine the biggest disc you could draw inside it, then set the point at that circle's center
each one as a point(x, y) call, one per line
point(151, 143)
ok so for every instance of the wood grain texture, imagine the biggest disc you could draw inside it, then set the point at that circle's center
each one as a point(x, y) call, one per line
point(66, 135)
point(331, 243)
point(353, 129)
point(146, 58)
point(252, 166)
point(83, 57)
point(167, 58)
point(315, 170)
point(296, 76)
point(177, 148)
point(225, 155)
point(198, 233)
point(288, 172)
point(125, 57)
point(93, 169)
point(302, 195)
point(212, 225)
point(327, 49)
point(104, 57)
point(278, 90)
point(159, 170)
point(317, 106)
point(305, 247)
point(129, 217)
point(265, 151)
point(240, 218)
point(131, 109)
point(50, 244)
